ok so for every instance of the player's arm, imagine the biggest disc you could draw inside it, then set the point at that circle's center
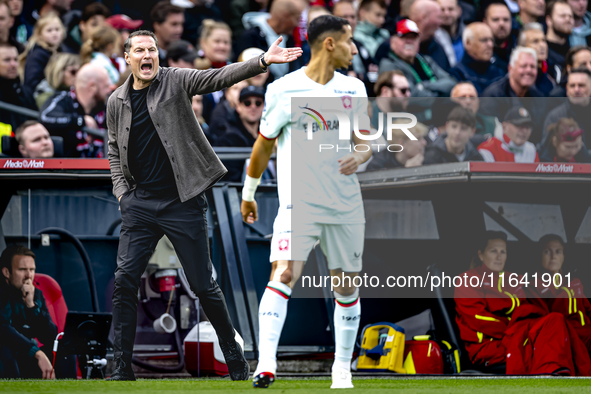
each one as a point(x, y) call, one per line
point(259, 158)
point(349, 164)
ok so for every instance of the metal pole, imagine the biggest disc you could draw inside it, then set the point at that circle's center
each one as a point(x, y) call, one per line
point(29, 221)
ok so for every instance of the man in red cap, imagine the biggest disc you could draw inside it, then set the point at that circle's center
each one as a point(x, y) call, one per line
point(425, 77)
point(124, 25)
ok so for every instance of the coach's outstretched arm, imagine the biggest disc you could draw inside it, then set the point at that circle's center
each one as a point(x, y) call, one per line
point(259, 158)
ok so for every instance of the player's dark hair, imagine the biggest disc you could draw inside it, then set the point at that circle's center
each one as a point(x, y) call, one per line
point(462, 115)
point(11, 251)
point(325, 24)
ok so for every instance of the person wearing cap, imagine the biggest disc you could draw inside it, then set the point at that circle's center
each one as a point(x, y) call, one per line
point(181, 54)
point(372, 15)
point(564, 143)
point(124, 25)
point(426, 78)
point(477, 64)
point(513, 145)
point(241, 128)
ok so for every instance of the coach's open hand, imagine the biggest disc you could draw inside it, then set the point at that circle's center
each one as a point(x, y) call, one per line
point(275, 54)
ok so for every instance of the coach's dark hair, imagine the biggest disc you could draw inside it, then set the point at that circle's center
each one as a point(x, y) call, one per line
point(127, 45)
point(11, 251)
point(462, 115)
point(325, 24)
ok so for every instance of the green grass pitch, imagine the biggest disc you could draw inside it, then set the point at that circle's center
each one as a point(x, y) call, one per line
point(300, 386)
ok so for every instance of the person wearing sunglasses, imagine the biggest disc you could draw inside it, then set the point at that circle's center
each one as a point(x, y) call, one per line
point(241, 127)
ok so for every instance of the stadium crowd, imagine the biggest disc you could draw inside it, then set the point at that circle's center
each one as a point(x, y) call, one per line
point(488, 80)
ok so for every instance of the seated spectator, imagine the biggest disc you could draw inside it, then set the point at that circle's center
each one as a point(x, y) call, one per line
point(427, 15)
point(499, 325)
point(197, 105)
point(241, 128)
point(426, 78)
point(263, 29)
point(167, 22)
point(258, 80)
point(549, 75)
point(578, 91)
point(60, 74)
point(47, 37)
point(124, 25)
point(102, 49)
point(5, 24)
point(559, 22)
point(34, 140)
point(449, 35)
point(412, 153)
point(45, 7)
point(222, 111)
point(363, 66)
point(513, 145)
point(576, 57)
point(181, 54)
point(574, 306)
point(215, 43)
point(392, 95)
point(565, 143)
point(498, 17)
point(11, 90)
point(369, 32)
point(67, 112)
point(530, 11)
point(455, 146)
point(23, 317)
point(21, 29)
point(582, 25)
point(466, 95)
point(79, 26)
point(198, 11)
point(476, 65)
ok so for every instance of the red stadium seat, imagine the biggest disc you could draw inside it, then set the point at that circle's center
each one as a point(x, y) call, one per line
point(56, 304)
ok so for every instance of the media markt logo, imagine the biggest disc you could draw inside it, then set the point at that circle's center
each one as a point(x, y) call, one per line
point(25, 164)
point(555, 168)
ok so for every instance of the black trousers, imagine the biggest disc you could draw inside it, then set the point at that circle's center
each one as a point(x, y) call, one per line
point(145, 219)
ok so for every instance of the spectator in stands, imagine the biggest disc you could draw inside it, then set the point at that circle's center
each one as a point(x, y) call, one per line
point(577, 57)
point(455, 146)
point(197, 105)
point(23, 317)
point(530, 11)
point(363, 65)
point(513, 145)
point(67, 112)
point(241, 128)
point(564, 143)
point(60, 74)
point(466, 95)
point(449, 35)
point(499, 325)
point(427, 15)
point(222, 111)
point(424, 75)
point(11, 90)
point(124, 25)
point(215, 44)
point(168, 20)
point(263, 29)
point(101, 49)
point(47, 37)
point(573, 305)
point(21, 29)
point(476, 65)
point(578, 91)
point(258, 80)
point(181, 54)
point(5, 24)
point(412, 153)
point(532, 36)
point(582, 26)
point(498, 17)
point(59, 7)
point(196, 11)
point(79, 29)
point(34, 140)
point(560, 22)
point(393, 90)
point(369, 32)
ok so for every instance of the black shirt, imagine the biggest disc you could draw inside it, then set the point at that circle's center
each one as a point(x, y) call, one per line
point(148, 161)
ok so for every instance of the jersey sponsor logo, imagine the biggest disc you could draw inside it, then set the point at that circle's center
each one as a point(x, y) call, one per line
point(351, 92)
point(347, 102)
point(315, 118)
point(556, 168)
point(283, 244)
point(25, 164)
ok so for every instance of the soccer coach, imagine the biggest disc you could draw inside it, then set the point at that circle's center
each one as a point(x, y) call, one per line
point(161, 165)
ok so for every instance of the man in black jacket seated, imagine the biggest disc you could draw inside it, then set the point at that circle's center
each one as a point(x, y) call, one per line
point(23, 317)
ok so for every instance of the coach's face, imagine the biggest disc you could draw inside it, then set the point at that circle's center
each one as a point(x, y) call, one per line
point(345, 48)
point(143, 59)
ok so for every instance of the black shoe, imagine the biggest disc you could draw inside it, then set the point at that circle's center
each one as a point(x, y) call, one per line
point(122, 372)
point(237, 364)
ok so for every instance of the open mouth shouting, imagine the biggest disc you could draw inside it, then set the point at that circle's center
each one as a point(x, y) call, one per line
point(146, 68)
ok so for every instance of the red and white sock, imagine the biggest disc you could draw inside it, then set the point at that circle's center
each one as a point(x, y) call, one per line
point(272, 313)
point(347, 314)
